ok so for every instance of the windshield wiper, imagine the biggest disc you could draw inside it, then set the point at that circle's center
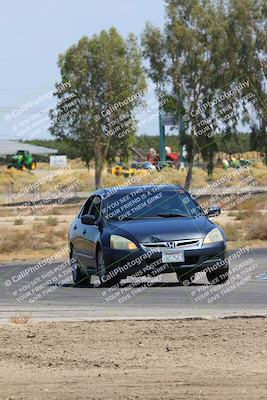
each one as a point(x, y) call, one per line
point(133, 218)
point(170, 215)
point(123, 219)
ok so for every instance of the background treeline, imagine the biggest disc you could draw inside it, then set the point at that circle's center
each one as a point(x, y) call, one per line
point(231, 144)
point(205, 48)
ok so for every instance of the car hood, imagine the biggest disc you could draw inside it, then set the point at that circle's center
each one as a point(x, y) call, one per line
point(161, 229)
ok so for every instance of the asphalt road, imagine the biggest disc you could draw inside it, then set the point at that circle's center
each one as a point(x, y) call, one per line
point(46, 292)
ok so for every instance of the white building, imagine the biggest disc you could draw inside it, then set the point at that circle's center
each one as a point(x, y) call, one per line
point(10, 147)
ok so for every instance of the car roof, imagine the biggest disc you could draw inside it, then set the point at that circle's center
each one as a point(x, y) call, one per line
point(127, 189)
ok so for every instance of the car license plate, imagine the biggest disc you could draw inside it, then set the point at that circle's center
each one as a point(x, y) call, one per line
point(172, 256)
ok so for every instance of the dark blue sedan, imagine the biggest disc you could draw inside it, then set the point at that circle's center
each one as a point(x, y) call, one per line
point(146, 230)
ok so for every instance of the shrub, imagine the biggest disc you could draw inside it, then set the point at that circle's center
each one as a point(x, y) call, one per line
point(243, 214)
point(256, 228)
point(18, 221)
point(55, 211)
point(52, 221)
point(232, 232)
point(232, 214)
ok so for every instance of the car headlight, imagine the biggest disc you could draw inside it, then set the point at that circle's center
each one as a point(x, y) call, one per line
point(213, 236)
point(121, 243)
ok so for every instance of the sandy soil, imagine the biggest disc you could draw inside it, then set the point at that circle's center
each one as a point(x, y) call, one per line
point(205, 359)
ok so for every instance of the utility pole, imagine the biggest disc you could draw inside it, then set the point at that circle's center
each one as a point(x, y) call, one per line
point(162, 138)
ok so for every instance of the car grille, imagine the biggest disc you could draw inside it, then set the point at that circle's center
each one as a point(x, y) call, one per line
point(175, 243)
point(190, 260)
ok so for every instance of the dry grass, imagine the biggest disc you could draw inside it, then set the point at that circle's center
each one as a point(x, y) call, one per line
point(250, 227)
point(249, 209)
point(84, 177)
point(242, 214)
point(200, 178)
point(256, 228)
point(51, 221)
point(37, 237)
point(47, 235)
point(259, 171)
point(256, 202)
point(18, 221)
point(65, 209)
point(55, 211)
point(15, 178)
point(77, 163)
point(232, 231)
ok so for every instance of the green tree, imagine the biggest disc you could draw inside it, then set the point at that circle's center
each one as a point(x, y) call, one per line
point(181, 58)
point(106, 78)
point(204, 48)
point(64, 146)
point(246, 54)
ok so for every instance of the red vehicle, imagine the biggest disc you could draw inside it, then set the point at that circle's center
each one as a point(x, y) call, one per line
point(172, 158)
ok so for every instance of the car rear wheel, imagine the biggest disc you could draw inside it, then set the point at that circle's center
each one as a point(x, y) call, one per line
point(105, 277)
point(186, 279)
point(77, 275)
point(218, 277)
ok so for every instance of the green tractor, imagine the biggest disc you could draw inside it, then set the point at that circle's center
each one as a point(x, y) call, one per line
point(23, 160)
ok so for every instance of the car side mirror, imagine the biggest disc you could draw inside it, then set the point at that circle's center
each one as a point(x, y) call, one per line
point(88, 219)
point(214, 211)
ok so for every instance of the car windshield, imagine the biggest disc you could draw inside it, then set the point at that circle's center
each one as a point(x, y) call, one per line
point(150, 203)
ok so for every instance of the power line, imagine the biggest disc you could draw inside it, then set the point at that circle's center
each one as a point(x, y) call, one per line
point(23, 88)
point(26, 111)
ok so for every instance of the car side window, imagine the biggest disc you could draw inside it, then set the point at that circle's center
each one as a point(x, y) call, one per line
point(95, 207)
point(86, 207)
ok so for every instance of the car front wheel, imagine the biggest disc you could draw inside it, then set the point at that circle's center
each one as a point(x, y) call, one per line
point(106, 278)
point(77, 275)
point(186, 279)
point(218, 277)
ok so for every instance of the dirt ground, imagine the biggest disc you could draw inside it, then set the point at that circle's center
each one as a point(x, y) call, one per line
point(181, 359)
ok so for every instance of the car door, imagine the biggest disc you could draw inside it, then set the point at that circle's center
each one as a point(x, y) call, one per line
point(78, 229)
point(90, 235)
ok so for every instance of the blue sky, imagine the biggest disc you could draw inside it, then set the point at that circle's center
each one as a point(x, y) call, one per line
point(33, 33)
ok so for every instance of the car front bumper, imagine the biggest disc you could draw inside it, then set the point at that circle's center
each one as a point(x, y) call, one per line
point(126, 262)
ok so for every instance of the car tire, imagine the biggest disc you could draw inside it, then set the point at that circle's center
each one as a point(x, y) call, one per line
point(218, 277)
point(105, 280)
point(186, 279)
point(33, 165)
point(77, 275)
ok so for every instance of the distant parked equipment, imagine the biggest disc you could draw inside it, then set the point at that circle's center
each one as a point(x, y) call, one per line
point(23, 160)
point(236, 163)
point(136, 168)
point(170, 159)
